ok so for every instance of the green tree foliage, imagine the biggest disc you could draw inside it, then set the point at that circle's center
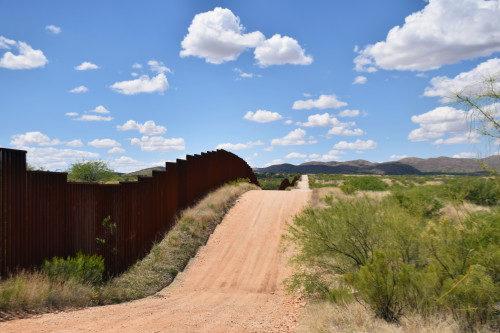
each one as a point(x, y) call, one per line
point(91, 172)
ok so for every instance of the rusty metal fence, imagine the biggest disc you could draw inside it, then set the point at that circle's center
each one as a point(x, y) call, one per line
point(43, 215)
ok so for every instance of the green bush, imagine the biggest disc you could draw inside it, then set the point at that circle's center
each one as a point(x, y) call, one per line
point(398, 260)
point(363, 183)
point(387, 284)
point(420, 201)
point(347, 188)
point(82, 268)
point(92, 171)
point(481, 191)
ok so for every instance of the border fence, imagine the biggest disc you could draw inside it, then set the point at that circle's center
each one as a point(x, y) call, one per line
point(43, 215)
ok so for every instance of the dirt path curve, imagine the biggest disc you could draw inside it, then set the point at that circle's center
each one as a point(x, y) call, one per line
point(234, 284)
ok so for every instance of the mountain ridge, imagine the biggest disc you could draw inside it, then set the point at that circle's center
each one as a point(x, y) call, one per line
point(408, 165)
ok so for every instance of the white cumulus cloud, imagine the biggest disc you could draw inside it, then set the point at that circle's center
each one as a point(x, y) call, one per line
point(465, 155)
point(439, 122)
point(468, 137)
point(322, 102)
point(467, 83)
point(349, 113)
point(74, 143)
point(158, 143)
point(443, 32)
point(33, 138)
point(79, 90)
point(320, 120)
point(345, 129)
point(217, 36)
point(245, 75)
point(148, 128)
point(295, 155)
point(262, 116)
point(104, 143)
point(56, 159)
point(127, 164)
point(26, 57)
point(337, 127)
point(281, 50)
point(93, 117)
point(360, 80)
point(116, 150)
point(396, 157)
point(296, 137)
point(158, 67)
point(239, 146)
point(86, 66)
point(143, 84)
point(54, 29)
point(331, 155)
point(356, 145)
point(101, 109)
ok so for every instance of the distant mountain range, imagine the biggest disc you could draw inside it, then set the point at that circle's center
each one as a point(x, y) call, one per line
point(405, 166)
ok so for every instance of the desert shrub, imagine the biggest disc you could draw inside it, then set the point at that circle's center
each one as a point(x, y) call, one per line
point(471, 297)
point(347, 188)
point(82, 268)
point(397, 260)
point(363, 183)
point(92, 171)
point(481, 191)
point(420, 201)
point(386, 283)
point(464, 259)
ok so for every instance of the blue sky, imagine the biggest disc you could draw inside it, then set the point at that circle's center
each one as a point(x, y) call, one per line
point(136, 84)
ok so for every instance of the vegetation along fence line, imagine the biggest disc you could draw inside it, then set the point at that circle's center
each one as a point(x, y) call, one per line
point(43, 215)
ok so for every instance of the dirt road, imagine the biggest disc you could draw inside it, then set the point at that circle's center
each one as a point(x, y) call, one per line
point(234, 284)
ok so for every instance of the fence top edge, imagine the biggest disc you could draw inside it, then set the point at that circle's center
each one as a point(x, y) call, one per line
point(13, 150)
point(45, 171)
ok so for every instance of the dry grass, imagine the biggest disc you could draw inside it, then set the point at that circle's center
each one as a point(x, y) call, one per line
point(169, 257)
point(433, 183)
point(27, 293)
point(353, 317)
point(319, 195)
point(460, 211)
